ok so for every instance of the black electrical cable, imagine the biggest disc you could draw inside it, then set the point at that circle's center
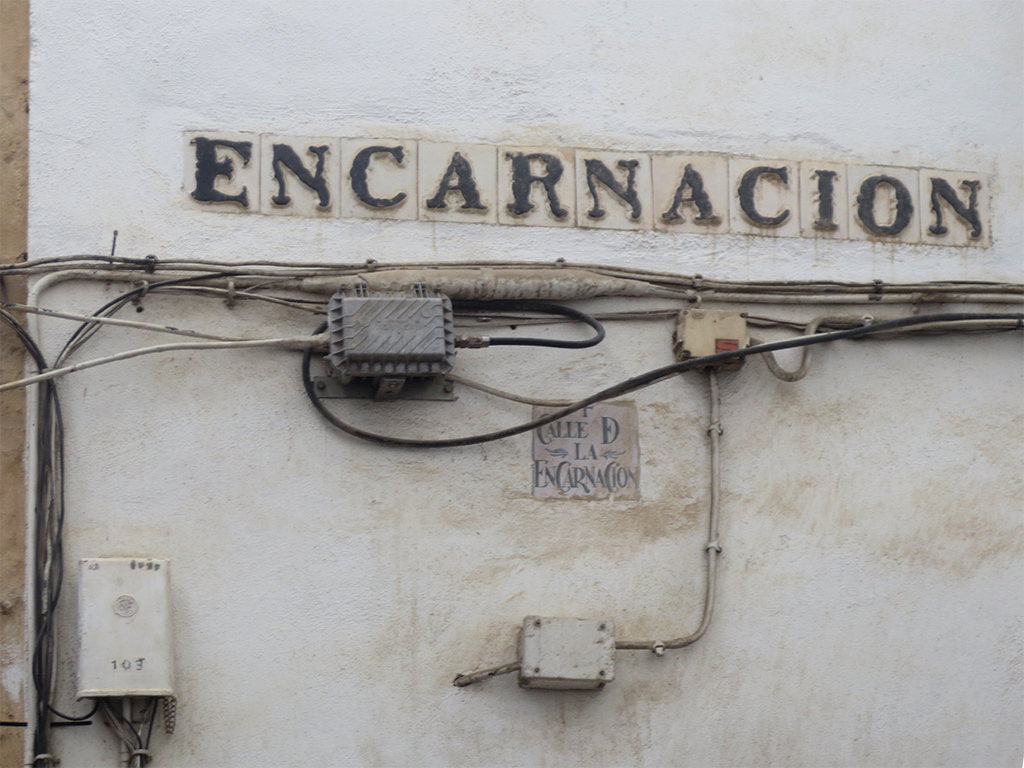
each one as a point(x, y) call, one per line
point(535, 306)
point(152, 719)
point(636, 382)
point(49, 521)
point(90, 713)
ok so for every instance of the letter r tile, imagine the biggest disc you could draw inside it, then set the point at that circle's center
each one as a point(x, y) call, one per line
point(537, 186)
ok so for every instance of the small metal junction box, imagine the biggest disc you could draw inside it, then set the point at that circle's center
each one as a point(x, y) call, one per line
point(124, 620)
point(390, 337)
point(701, 332)
point(566, 654)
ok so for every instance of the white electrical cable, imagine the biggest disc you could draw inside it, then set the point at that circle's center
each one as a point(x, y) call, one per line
point(507, 395)
point(713, 548)
point(115, 321)
point(297, 342)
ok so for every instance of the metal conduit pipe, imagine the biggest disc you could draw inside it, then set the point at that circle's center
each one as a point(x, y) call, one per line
point(713, 548)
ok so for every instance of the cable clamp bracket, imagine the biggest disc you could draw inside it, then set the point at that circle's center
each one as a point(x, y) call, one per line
point(44, 756)
point(716, 428)
point(658, 648)
point(141, 753)
point(713, 545)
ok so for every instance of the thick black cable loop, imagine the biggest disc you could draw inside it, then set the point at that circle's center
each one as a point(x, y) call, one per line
point(636, 382)
point(535, 306)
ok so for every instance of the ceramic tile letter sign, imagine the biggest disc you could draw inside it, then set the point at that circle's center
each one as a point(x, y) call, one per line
point(766, 198)
point(954, 208)
point(378, 179)
point(691, 193)
point(824, 212)
point(300, 176)
point(222, 171)
point(882, 204)
point(458, 182)
point(537, 186)
point(591, 454)
point(613, 190)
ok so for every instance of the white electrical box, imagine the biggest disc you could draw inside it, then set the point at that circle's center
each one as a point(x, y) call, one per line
point(124, 620)
point(566, 654)
point(702, 332)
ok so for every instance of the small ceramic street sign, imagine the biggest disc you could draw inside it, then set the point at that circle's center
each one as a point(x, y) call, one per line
point(591, 454)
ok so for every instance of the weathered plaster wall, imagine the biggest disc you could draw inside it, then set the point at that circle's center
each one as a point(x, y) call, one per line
point(326, 591)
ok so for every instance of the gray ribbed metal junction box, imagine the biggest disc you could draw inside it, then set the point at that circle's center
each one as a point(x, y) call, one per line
point(390, 335)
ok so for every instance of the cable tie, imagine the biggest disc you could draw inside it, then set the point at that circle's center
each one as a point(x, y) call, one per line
point(713, 545)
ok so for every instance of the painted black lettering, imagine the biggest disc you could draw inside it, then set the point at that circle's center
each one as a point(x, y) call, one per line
point(523, 179)
point(969, 213)
point(358, 175)
point(459, 168)
point(826, 201)
point(693, 181)
point(748, 183)
point(866, 205)
point(628, 194)
point(286, 156)
point(209, 167)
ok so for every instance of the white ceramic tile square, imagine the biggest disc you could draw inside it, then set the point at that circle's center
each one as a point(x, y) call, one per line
point(963, 216)
point(458, 182)
point(537, 186)
point(300, 176)
point(621, 182)
point(222, 171)
point(824, 208)
point(883, 204)
point(765, 197)
point(691, 193)
point(378, 179)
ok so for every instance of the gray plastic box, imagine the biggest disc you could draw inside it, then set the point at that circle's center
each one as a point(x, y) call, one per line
point(566, 654)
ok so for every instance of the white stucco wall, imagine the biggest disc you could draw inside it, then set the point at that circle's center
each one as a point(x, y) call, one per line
point(326, 591)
